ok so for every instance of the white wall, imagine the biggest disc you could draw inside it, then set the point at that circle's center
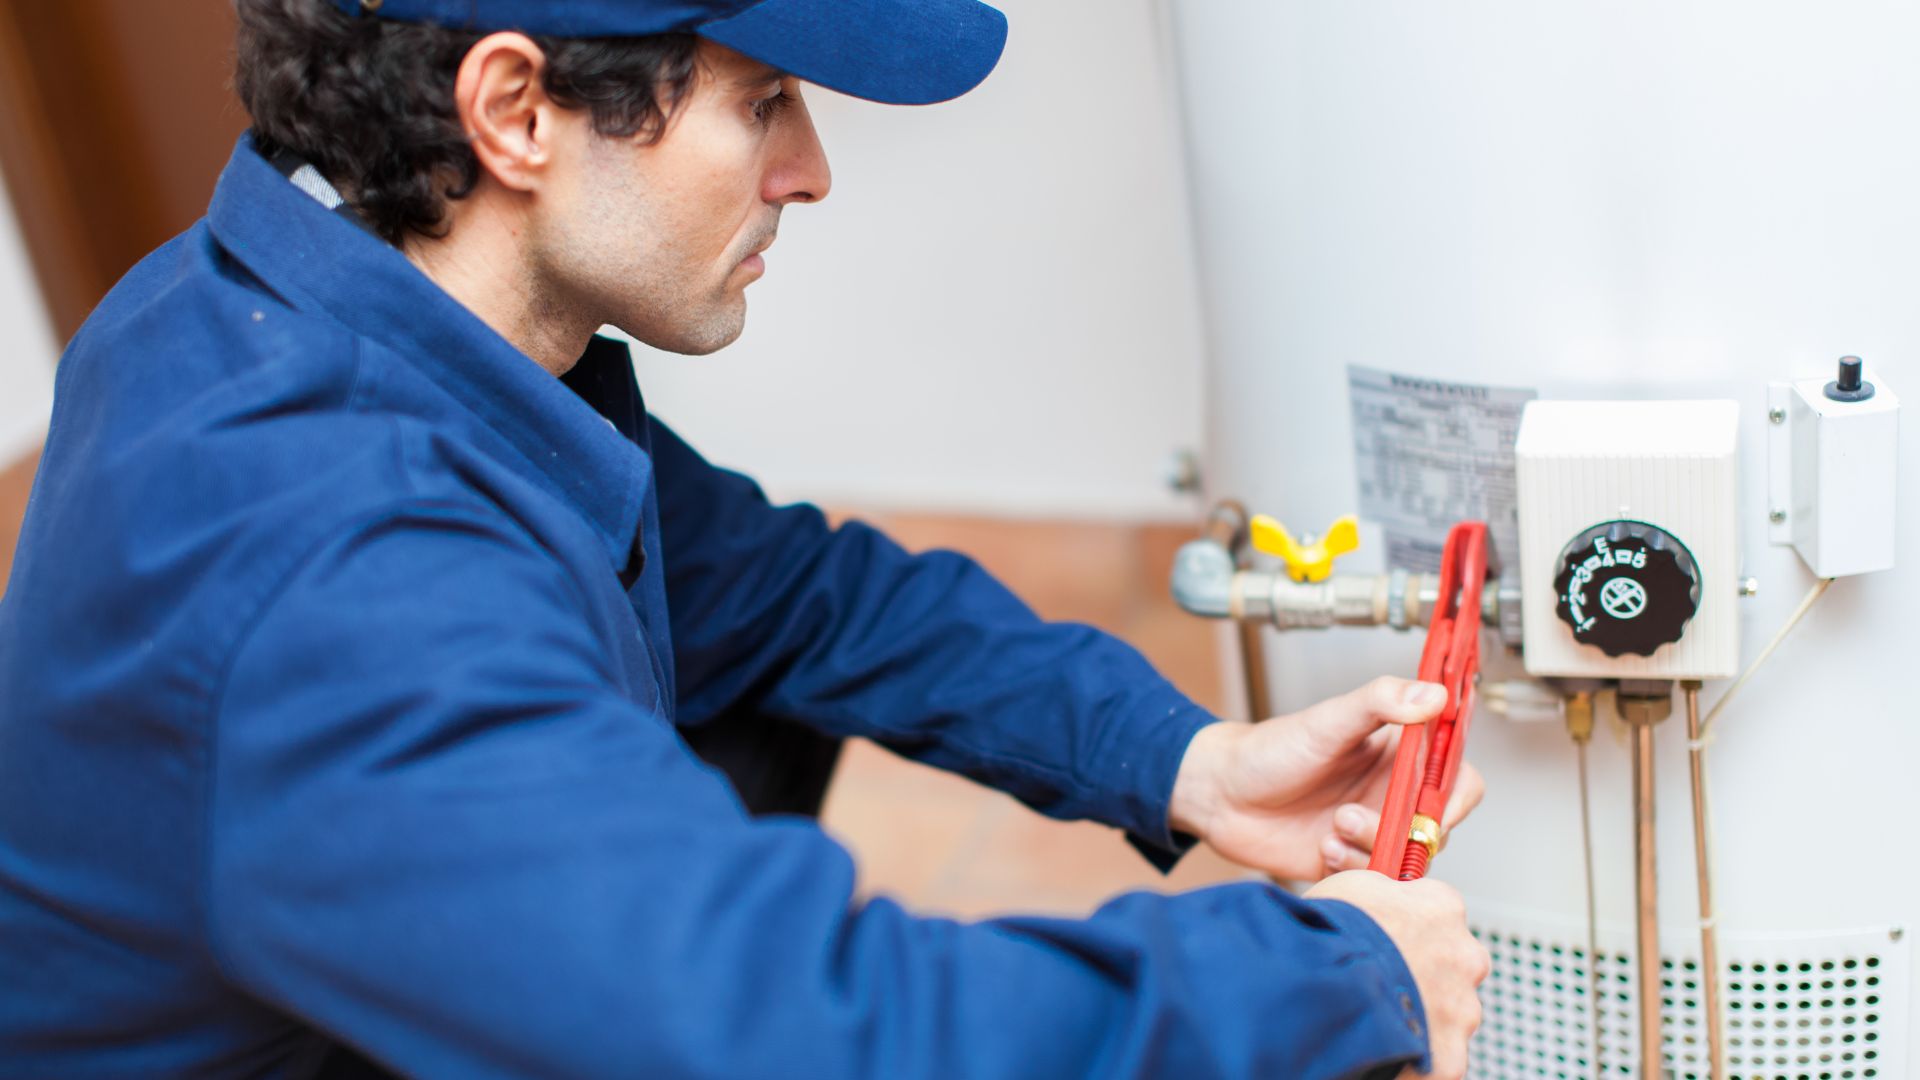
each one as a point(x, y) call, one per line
point(994, 311)
point(27, 346)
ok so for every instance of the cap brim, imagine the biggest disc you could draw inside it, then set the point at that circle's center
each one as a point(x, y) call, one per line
point(901, 52)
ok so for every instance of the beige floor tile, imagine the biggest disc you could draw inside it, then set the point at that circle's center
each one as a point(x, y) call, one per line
point(943, 844)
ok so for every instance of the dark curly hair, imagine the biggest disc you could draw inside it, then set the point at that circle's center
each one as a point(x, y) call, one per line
point(369, 102)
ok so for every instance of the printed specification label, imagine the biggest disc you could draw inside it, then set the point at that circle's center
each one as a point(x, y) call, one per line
point(1431, 453)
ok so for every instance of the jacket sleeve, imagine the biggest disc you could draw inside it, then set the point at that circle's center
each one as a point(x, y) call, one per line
point(442, 832)
point(843, 631)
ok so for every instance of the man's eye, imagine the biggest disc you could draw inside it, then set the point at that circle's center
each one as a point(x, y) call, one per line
point(766, 108)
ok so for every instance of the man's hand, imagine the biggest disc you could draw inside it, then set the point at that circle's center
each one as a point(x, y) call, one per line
point(1297, 796)
point(1428, 924)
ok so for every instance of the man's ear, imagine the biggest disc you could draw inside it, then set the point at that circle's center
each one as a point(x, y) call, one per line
point(504, 107)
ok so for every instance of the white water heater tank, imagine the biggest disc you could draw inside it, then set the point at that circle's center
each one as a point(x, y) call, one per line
point(1411, 219)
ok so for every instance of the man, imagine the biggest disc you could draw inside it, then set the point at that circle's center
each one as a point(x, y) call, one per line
point(386, 691)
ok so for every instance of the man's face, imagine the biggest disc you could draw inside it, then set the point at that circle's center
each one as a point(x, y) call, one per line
point(662, 239)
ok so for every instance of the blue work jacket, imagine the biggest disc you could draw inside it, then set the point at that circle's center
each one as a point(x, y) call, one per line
point(352, 674)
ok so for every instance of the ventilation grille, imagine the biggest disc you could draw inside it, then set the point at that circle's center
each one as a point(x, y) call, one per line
point(1798, 1007)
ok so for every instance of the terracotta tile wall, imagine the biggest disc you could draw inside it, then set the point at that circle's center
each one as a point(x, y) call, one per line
point(15, 481)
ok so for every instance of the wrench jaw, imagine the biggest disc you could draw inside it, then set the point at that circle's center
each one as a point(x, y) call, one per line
point(1427, 762)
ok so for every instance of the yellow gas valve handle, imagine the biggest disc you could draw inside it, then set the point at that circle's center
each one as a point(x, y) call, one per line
point(1306, 562)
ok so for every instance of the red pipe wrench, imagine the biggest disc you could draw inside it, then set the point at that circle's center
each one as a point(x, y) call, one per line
point(1428, 759)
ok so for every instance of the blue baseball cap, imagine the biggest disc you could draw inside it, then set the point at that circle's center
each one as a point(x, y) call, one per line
point(902, 52)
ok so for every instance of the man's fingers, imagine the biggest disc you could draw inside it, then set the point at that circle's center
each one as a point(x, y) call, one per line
point(1337, 855)
point(1350, 845)
point(1468, 789)
point(1344, 721)
point(1357, 825)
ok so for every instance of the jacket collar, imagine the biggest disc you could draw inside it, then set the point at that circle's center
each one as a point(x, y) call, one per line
point(321, 264)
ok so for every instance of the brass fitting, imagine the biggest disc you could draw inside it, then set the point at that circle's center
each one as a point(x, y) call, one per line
point(1580, 715)
point(1426, 832)
point(1644, 701)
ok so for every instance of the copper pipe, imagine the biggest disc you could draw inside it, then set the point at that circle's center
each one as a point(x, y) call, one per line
point(1579, 714)
point(1253, 663)
point(1709, 932)
point(1646, 888)
point(1227, 525)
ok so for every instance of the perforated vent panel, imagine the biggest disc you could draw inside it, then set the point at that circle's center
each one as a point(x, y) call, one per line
point(1798, 1007)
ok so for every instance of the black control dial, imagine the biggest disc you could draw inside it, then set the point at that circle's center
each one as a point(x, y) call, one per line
point(1627, 587)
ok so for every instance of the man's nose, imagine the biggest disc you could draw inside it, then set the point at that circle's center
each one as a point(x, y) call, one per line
point(799, 171)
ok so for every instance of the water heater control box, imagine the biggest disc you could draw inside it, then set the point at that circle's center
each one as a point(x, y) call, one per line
point(1628, 550)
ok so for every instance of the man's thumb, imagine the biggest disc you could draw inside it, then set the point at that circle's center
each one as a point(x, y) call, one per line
point(1403, 701)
